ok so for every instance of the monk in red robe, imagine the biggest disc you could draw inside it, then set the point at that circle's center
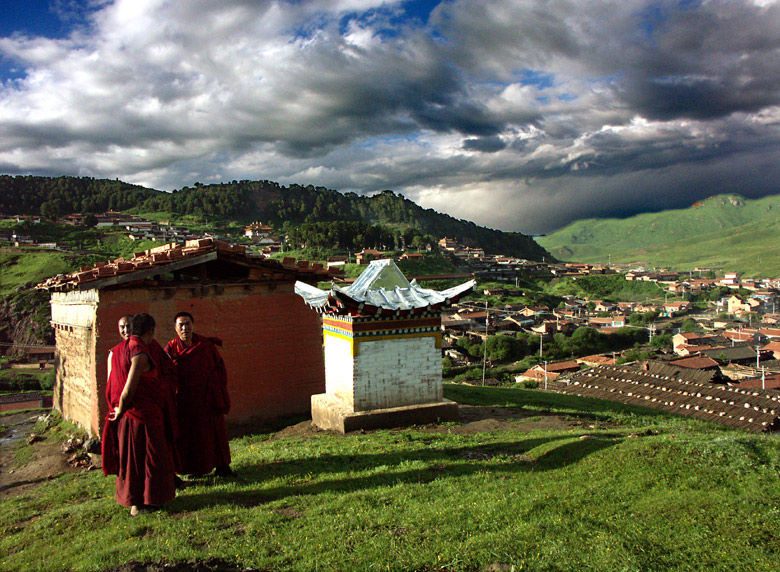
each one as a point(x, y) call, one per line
point(202, 401)
point(137, 396)
point(114, 386)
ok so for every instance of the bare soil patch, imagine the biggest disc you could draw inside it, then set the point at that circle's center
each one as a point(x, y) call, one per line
point(473, 419)
point(47, 460)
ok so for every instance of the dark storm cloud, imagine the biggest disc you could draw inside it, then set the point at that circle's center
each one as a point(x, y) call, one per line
point(520, 114)
point(485, 144)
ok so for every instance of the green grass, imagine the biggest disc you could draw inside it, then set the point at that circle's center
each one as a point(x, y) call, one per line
point(622, 489)
point(726, 232)
point(16, 380)
point(20, 268)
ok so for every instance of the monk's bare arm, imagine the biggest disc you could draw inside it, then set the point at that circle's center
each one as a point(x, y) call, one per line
point(139, 364)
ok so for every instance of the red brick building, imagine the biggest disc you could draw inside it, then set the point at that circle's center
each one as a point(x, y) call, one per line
point(272, 343)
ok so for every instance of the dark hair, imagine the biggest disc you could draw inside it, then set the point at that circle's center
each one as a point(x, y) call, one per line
point(142, 323)
point(182, 315)
point(127, 317)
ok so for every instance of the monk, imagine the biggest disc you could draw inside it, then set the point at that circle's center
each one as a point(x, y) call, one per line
point(202, 400)
point(110, 441)
point(136, 422)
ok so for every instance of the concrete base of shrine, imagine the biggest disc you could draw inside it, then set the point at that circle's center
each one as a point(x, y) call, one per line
point(328, 413)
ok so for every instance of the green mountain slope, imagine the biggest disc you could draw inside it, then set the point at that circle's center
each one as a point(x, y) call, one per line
point(727, 232)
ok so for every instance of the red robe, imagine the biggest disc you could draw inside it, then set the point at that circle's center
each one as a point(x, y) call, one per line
point(203, 402)
point(135, 447)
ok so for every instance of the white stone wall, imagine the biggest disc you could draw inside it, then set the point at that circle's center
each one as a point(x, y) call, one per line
point(397, 372)
point(339, 369)
point(386, 373)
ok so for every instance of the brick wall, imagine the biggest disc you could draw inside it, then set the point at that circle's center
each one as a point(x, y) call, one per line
point(272, 347)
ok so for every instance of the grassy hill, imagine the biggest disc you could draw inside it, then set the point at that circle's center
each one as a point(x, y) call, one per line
point(532, 481)
point(727, 232)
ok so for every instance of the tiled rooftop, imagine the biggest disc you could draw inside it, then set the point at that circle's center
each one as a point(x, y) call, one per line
point(174, 256)
point(750, 409)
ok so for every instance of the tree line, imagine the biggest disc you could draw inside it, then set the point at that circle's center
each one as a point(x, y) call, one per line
point(283, 207)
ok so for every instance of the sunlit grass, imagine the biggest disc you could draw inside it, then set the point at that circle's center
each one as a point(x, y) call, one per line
point(617, 489)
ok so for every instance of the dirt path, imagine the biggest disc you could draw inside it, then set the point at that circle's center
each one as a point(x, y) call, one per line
point(47, 460)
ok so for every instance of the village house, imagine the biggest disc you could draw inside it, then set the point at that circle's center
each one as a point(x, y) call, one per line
point(686, 343)
point(368, 254)
point(272, 343)
point(739, 355)
point(412, 256)
point(600, 306)
point(596, 359)
point(730, 279)
point(670, 309)
point(737, 306)
point(549, 371)
point(40, 354)
point(448, 244)
point(696, 362)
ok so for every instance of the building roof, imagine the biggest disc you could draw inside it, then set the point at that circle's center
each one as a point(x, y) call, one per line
point(750, 409)
point(769, 382)
point(223, 260)
point(731, 354)
point(380, 289)
point(695, 362)
point(560, 366)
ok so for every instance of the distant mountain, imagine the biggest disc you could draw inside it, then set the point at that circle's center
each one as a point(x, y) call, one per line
point(727, 232)
point(247, 201)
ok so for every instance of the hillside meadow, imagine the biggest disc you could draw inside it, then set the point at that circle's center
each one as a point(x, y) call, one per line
point(726, 232)
point(527, 481)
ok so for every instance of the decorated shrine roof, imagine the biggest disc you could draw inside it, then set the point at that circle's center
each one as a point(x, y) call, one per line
point(381, 289)
point(203, 259)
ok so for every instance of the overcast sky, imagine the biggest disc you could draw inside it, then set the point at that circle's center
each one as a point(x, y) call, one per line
point(517, 114)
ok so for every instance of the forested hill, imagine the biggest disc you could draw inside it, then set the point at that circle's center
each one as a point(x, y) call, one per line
point(248, 201)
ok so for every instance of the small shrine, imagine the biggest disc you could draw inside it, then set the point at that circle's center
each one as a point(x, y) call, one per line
point(382, 339)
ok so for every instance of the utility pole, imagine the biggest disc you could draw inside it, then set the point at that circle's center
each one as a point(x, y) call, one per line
point(484, 354)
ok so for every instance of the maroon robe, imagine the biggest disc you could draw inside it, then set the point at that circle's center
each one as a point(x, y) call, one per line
point(203, 402)
point(135, 447)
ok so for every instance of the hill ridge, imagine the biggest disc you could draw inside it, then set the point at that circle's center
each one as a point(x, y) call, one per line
point(726, 231)
point(268, 201)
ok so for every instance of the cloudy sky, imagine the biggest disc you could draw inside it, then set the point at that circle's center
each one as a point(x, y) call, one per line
point(517, 114)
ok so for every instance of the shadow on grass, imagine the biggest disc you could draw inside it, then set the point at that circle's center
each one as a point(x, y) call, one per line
point(534, 400)
point(392, 468)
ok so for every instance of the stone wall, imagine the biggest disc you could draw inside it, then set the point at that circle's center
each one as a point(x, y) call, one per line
point(75, 386)
point(383, 364)
point(397, 372)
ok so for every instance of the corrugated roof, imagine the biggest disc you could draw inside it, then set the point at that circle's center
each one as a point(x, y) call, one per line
point(175, 257)
point(750, 409)
point(380, 289)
